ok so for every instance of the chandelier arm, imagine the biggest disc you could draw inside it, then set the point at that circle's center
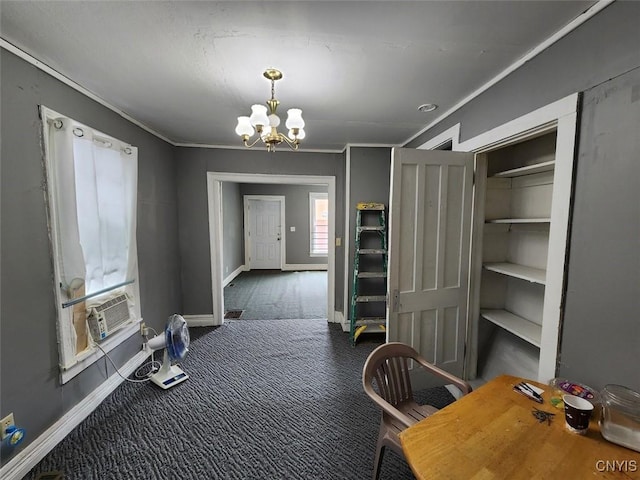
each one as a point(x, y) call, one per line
point(293, 144)
point(249, 145)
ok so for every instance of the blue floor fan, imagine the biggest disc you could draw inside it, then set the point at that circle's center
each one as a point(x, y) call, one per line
point(175, 341)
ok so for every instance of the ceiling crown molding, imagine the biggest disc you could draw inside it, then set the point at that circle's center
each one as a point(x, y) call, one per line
point(568, 28)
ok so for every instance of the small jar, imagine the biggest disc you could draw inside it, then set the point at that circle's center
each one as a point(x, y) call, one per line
point(620, 419)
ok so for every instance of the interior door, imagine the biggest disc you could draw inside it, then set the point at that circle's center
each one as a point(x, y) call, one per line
point(264, 234)
point(429, 248)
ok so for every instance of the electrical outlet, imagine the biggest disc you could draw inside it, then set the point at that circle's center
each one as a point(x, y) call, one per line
point(5, 423)
point(143, 328)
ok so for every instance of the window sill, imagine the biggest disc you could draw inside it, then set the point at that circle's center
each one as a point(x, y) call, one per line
point(92, 355)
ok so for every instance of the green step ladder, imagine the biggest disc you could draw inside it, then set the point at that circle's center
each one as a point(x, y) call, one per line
point(369, 286)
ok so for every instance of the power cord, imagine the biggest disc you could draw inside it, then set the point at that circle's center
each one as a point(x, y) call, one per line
point(152, 365)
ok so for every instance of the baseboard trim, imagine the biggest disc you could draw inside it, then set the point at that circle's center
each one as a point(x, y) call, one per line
point(206, 320)
point(304, 266)
point(233, 275)
point(337, 317)
point(344, 322)
point(26, 459)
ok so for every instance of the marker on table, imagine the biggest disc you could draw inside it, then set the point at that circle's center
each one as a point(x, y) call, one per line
point(526, 390)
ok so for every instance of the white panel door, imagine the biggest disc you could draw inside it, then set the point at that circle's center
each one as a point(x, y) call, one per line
point(429, 248)
point(264, 234)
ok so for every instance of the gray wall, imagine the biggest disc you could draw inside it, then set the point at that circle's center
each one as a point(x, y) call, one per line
point(601, 335)
point(297, 215)
point(233, 228)
point(194, 163)
point(606, 210)
point(370, 172)
point(29, 352)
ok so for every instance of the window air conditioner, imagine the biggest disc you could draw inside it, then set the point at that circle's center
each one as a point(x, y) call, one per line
point(108, 317)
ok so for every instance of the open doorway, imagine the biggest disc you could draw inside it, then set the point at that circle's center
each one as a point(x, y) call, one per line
point(219, 271)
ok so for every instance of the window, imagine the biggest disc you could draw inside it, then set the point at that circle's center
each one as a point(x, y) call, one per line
point(92, 197)
point(319, 223)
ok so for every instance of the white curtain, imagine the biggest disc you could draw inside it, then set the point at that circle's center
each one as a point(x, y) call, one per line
point(71, 260)
point(96, 180)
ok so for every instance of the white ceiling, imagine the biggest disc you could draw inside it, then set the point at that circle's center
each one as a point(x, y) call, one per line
point(358, 70)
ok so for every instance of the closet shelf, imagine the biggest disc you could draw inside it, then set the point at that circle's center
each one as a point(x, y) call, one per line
point(527, 170)
point(535, 275)
point(521, 327)
point(518, 220)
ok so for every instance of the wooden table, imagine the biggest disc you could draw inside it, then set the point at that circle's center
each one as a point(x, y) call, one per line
point(492, 434)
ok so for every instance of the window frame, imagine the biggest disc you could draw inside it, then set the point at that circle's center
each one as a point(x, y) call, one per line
point(313, 196)
point(71, 363)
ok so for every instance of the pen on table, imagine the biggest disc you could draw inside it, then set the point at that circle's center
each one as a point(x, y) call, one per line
point(531, 390)
point(527, 394)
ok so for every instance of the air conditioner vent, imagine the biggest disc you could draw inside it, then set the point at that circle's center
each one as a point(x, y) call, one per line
point(108, 317)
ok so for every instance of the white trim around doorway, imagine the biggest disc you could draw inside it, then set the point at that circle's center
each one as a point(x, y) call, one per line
point(214, 200)
point(450, 135)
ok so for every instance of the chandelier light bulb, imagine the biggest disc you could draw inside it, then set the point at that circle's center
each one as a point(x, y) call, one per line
point(244, 127)
point(294, 118)
point(259, 115)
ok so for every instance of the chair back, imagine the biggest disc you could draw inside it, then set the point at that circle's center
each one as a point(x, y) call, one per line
point(387, 368)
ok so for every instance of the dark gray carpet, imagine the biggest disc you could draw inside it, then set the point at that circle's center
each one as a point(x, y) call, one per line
point(272, 294)
point(265, 400)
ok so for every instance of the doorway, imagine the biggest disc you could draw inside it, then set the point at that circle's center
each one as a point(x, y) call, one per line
point(214, 193)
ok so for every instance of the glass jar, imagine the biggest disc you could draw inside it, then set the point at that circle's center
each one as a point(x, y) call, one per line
point(620, 419)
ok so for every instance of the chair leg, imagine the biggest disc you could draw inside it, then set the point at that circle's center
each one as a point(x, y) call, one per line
point(377, 462)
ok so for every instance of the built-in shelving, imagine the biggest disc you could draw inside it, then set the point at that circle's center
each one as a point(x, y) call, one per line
point(519, 220)
point(523, 197)
point(521, 327)
point(522, 272)
point(527, 170)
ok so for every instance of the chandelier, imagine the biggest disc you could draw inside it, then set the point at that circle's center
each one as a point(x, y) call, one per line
point(266, 122)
